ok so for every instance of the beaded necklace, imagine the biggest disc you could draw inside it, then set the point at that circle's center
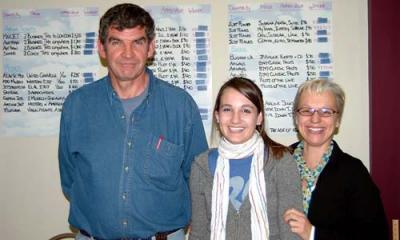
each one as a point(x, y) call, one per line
point(309, 175)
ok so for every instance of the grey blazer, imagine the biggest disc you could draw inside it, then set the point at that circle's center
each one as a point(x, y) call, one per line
point(283, 192)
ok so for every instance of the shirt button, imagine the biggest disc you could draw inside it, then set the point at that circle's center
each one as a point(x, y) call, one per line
point(122, 116)
point(126, 168)
point(125, 223)
point(124, 196)
point(129, 144)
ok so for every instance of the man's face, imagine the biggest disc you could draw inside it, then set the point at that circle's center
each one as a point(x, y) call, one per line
point(126, 53)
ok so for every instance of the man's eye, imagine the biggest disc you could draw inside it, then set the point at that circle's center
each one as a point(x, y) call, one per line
point(140, 41)
point(114, 43)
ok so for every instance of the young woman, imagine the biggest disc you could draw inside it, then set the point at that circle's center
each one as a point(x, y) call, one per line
point(241, 189)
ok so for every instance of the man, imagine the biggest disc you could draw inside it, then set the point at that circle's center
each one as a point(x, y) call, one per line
point(128, 140)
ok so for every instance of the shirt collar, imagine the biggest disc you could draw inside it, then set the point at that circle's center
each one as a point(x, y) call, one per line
point(112, 95)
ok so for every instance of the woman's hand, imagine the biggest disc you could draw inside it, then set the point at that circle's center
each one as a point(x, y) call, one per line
point(298, 223)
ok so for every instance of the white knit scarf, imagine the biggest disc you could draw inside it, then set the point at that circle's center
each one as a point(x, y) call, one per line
point(257, 192)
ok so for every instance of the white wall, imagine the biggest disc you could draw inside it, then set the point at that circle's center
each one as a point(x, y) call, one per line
point(31, 203)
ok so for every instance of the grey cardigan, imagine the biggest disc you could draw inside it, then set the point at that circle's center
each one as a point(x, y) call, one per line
point(283, 192)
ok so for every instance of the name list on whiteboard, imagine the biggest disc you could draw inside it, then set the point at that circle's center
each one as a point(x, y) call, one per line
point(47, 53)
point(183, 51)
point(279, 46)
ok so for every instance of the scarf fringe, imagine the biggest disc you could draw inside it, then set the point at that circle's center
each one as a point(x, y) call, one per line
point(257, 191)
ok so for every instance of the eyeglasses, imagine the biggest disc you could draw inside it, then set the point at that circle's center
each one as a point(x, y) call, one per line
point(322, 112)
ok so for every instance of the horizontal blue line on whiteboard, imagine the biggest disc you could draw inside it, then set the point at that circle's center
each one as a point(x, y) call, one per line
point(203, 110)
point(199, 34)
point(90, 34)
point(323, 55)
point(322, 20)
point(202, 88)
point(88, 52)
point(325, 60)
point(89, 40)
point(201, 75)
point(202, 28)
point(324, 73)
point(202, 57)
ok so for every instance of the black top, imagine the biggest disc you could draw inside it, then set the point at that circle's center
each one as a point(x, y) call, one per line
point(346, 203)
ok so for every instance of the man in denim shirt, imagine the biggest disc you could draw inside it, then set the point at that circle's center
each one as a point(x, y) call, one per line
point(127, 141)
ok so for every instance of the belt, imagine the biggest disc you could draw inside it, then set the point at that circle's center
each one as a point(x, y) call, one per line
point(158, 236)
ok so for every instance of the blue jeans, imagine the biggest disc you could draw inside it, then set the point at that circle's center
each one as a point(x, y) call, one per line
point(178, 235)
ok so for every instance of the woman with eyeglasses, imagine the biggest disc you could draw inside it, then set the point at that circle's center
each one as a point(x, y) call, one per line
point(340, 200)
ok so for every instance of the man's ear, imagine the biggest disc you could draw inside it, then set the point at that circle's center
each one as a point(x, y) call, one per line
point(101, 49)
point(152, 47)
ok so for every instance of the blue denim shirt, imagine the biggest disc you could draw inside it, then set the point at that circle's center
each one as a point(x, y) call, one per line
point(129, 180)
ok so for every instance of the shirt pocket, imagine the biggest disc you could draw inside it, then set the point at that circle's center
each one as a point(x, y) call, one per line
point(162, 166)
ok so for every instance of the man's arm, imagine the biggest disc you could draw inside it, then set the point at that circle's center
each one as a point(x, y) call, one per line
point(196, 141)
point(64, 157)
